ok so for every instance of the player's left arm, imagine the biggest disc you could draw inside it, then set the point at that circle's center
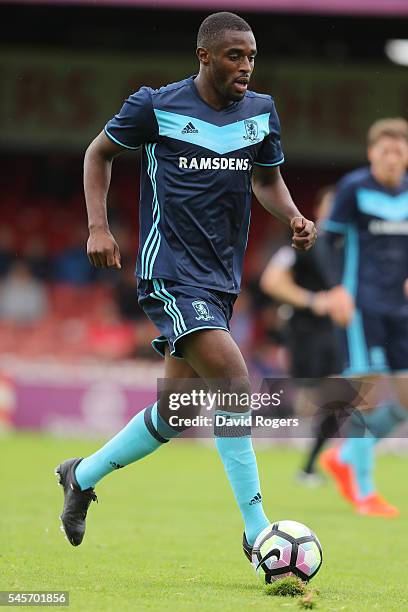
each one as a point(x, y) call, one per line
point(271, 192)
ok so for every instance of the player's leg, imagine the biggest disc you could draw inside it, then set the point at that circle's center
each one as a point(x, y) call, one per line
point(357, 450)
point(354, 460)
point(143, 435)
point(306, 401)
point(326, 427)
point(217, 359)
point(352, 464)
point(385, 417)
point(309, 369)
point(397, 353)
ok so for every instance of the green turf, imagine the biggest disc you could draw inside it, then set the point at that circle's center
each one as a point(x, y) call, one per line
point(166, 533)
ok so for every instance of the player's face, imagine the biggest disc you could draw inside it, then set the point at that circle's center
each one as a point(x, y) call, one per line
point(231, 63)
point(389, 158)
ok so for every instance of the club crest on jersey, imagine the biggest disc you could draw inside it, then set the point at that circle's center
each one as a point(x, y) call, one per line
point(202, 311)
point(251, 128)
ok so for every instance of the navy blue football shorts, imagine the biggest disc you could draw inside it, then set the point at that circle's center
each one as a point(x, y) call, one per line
point(178, 310)
point(375, 343)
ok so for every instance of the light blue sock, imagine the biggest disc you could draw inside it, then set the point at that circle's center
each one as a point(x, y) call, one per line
point(240, 465)
point(385, 418)
point(145, 433)
point(359, 453)
point(368, 428)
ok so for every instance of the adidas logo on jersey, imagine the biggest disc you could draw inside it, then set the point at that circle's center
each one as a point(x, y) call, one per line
point(189, 129)
point(256, 500)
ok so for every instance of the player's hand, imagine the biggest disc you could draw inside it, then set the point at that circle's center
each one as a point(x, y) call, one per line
point(320, 304)
point(102, 250)
point(304, 233)
point(340, 306)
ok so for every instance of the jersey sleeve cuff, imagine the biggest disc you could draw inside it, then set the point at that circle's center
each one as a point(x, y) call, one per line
point(270, 165)
point(115, 140)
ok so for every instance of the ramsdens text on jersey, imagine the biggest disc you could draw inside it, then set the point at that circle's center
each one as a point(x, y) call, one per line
point(214, 163)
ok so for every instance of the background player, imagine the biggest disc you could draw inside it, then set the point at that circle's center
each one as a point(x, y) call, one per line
point(371, 213)
point(300, 279)
point(201, 137)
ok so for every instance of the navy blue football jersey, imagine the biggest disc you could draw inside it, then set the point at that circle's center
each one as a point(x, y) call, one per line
point(374, 220)
point(196, 179)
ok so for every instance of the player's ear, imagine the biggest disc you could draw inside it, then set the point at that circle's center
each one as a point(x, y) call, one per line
point(203, 56)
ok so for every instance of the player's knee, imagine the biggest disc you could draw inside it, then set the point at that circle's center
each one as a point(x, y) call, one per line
point(229, 367)
point(241, 385)
point(234, 394)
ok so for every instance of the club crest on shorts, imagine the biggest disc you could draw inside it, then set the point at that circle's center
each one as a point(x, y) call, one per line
point(202, 311)
point(251, 128)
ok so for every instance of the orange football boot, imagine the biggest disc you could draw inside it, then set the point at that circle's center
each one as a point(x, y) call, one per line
point(375, 505)
point(342, 473)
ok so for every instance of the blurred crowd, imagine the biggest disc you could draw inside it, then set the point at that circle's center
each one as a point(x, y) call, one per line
point(54, 304)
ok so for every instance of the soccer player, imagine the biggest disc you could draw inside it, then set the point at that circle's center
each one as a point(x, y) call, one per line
point(371, 213)
point(300, 279)
point(203, 139)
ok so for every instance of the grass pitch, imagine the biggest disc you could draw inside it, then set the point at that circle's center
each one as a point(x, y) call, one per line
point(166, 534)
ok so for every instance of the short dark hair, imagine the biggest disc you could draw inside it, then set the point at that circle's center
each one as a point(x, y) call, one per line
point(215, 24)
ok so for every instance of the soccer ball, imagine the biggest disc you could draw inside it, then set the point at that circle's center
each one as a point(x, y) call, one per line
point(286, 548)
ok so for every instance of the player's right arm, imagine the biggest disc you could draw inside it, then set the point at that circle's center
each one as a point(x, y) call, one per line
point(102, 249)
point(134, 125)
point(342, 218)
